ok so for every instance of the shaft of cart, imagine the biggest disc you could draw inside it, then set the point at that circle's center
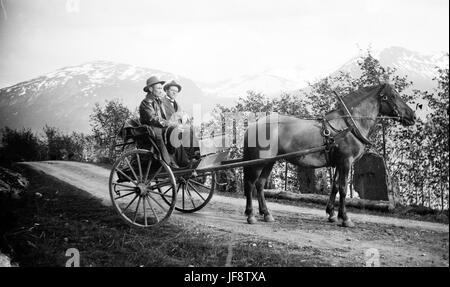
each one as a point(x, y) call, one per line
point(234, 163)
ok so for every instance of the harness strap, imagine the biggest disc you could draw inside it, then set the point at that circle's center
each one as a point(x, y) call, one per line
point(330, 125)
point(329, 139)
point(355, 130)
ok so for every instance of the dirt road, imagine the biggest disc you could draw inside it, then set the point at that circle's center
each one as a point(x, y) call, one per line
point(387, 240)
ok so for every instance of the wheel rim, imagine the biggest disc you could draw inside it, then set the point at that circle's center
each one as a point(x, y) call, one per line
point(194, 192)
point(136, 195)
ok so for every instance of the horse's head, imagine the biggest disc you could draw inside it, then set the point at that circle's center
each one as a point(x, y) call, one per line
point(392, 105)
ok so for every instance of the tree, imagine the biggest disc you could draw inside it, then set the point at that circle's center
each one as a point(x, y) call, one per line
point(20, 145)
point(62, 146)
point(437, 129)
point(417, 156)
point(106, 123)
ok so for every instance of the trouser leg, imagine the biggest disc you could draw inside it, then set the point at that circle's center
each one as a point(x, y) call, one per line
point(162, 146)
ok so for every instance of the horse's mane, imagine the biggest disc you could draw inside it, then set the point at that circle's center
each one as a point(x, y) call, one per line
point(353, 98)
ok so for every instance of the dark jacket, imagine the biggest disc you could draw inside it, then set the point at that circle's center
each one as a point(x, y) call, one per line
point(152, 113)
point(170, 105)
point(157, 112)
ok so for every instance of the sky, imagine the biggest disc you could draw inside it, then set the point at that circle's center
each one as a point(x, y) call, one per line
point(211, 40)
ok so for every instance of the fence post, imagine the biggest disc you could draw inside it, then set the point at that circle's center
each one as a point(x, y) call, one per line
point(234, 132)
point(201, 131)
point(222, 119)
point(285, 175)
point(384, 139)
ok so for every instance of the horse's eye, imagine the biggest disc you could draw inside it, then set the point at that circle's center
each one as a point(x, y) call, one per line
point(385, 97)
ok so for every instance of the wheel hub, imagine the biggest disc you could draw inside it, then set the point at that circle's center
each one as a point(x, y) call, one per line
point(142, 189)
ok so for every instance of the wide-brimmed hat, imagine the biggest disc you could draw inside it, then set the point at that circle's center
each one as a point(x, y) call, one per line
point(153, 80)
point(174, 84)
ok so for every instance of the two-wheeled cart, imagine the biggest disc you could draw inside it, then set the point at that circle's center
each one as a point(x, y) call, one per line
point(145, 190)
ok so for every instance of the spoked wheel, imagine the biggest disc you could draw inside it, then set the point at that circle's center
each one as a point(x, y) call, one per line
point(137, 196)
point(194, 192)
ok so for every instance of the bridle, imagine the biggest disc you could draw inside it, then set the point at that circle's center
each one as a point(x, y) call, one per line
point(349, 119)
point(384, 99)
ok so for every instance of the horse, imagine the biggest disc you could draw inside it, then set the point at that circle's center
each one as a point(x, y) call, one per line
point(361, 107)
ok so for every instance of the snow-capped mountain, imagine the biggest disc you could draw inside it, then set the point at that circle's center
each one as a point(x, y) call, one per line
point(420, 68)
point(65, 98)
point(271, 83)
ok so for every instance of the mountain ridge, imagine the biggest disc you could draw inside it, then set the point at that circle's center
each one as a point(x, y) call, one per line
point(65, 97)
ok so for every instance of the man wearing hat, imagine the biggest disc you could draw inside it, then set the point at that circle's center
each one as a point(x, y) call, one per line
point(153, 111)
point(172, 89)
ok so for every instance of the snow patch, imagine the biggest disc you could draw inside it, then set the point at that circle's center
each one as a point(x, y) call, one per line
point(23, 91)
point(127, 73)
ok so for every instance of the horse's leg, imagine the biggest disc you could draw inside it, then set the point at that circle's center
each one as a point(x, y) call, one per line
point(251, 174)
point(343, 174)
point(330, 205)
point(263, 210)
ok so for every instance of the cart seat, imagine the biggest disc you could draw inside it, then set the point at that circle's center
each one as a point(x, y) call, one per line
point(132, 129)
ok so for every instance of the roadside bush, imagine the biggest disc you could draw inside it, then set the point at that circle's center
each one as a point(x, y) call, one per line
point(20, 145)
point(62, 146)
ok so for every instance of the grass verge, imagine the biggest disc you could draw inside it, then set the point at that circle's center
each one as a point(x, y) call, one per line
point(54, 216)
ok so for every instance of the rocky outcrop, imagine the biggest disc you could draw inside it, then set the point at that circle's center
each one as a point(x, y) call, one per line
point(12, 184)
point(5, 261)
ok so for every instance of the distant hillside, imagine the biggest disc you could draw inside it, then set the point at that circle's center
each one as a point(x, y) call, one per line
point(65, 98)
point(269, 83)
point(420, 68)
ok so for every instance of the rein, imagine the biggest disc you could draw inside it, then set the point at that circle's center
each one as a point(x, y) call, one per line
point(349, 119)
point(341, 117)
point(353, 126)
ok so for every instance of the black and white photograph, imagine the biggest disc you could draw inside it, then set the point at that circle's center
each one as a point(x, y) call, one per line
point(249, 134)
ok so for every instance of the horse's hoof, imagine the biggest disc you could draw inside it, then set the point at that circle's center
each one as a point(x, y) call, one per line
point(347, 223)
point(251, 220)
point(268, 218)
point(332, 219)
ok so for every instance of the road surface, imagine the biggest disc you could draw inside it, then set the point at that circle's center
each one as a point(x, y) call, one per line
point(394, 241)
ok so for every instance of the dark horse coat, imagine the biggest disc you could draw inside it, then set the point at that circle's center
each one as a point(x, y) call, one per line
point(290, 134)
